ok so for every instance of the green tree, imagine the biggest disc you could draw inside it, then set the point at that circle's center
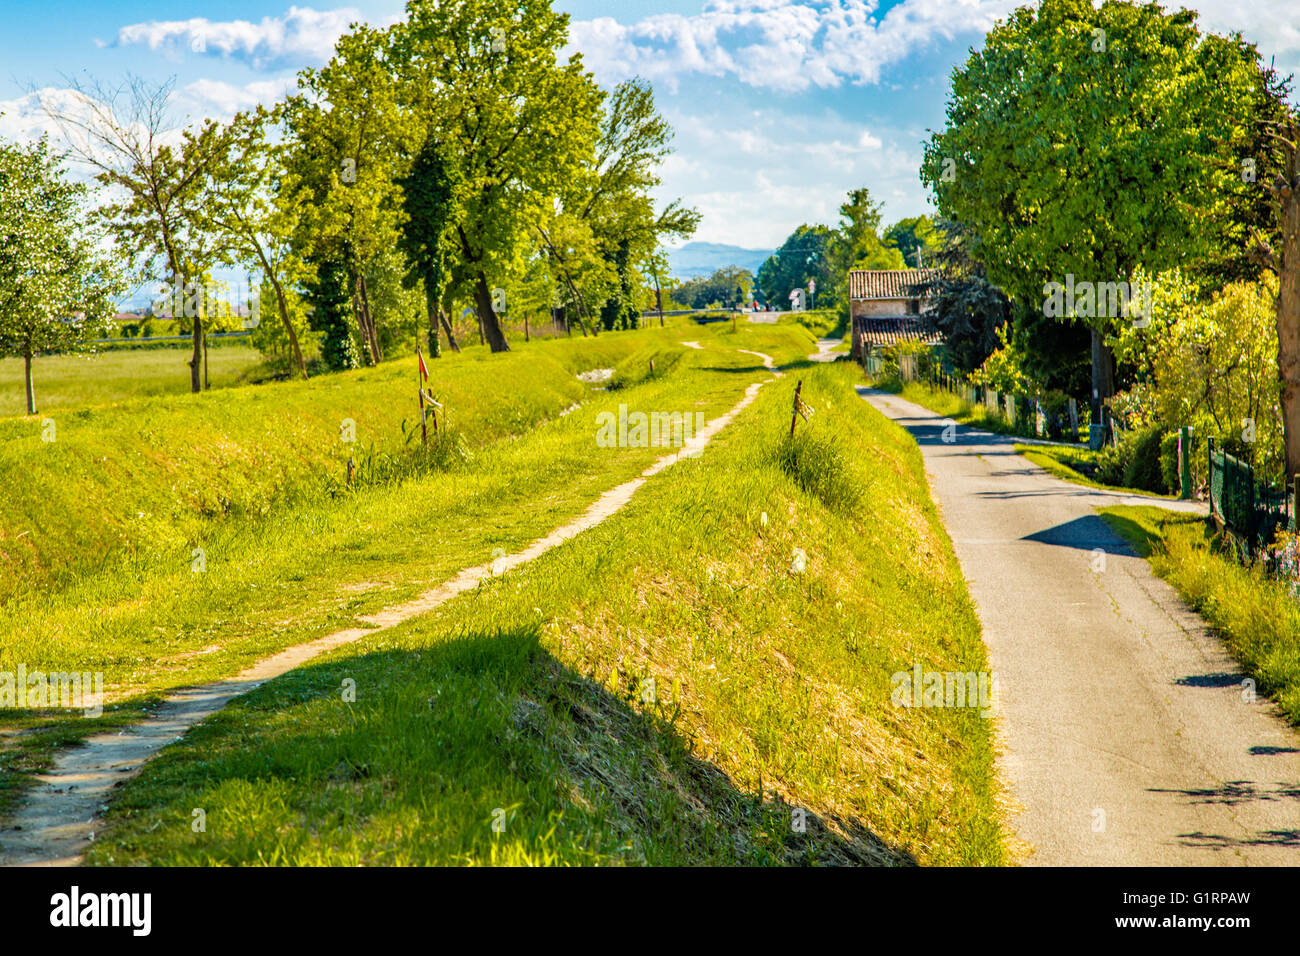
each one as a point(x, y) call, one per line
point(242, 202)
point(516, 123)
point(804, 255)
point(429, 196)
point(1087, 141)
point(54, 285)
point(346, 136)
point(912, 235)
point(155, 212)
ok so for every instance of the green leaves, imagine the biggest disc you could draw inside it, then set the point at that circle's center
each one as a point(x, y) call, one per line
point(55, 284)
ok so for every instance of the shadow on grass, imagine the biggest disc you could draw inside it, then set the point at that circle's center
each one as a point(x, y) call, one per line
point(450, 739)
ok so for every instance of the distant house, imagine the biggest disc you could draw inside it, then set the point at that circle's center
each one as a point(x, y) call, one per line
point(883, 311)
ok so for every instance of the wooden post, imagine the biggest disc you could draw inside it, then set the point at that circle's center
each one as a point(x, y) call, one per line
point(525, 326)
point(794, 416)
point(1295, 502)
point(419, 387)
point(1185, 462)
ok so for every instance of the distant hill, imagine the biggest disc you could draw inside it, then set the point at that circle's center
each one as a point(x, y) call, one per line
point(704, 258)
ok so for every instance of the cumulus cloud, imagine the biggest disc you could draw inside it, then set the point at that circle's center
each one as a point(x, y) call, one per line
point(303, 36)
point(785, 45)
point(795, 45)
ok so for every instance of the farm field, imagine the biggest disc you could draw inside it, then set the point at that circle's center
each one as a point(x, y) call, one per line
point(110, 376)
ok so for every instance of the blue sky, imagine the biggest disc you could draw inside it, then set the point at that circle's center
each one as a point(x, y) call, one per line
point(780, 106)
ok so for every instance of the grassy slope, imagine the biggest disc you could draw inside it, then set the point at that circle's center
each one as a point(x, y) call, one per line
point(152, 474)
point(528, 703)
point(79, 381)
point(1257, 618)
point(310, 565)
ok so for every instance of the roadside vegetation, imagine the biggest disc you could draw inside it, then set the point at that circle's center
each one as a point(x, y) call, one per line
point(674, 686)
point(1256, 613)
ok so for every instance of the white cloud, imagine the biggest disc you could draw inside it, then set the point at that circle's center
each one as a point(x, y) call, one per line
point(221, 100)
point(779, 44)
point(796, 45)
point(777, 169)
point(302, 36)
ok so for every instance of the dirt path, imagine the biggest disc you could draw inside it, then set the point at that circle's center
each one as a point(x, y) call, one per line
point(56, 823)
point(824, 353)
point(1125, 733)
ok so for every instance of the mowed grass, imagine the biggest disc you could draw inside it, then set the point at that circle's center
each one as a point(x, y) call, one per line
point(671, 687)
point(151, 474)
point(1256, 616)
point(81, 381)
point(150, 622)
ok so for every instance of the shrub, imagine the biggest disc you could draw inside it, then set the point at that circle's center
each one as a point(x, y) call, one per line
point(1140, 454)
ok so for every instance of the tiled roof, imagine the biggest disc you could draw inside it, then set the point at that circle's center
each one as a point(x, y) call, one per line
point(886, 283)
point(890, 330)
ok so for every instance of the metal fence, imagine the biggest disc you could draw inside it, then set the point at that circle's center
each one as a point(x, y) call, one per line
point(1250, 510)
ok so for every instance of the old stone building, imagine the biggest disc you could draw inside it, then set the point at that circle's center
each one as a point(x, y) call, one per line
point(883, 309)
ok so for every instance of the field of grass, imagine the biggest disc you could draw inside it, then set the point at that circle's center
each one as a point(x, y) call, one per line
point(671, 687)
point(1256, 616)
point(304, 565)
point(84, 381)
point(155, 474)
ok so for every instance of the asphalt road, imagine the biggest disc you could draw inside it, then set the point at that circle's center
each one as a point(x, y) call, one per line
point(1125, 733)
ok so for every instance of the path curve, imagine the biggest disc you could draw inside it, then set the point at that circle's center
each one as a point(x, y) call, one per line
point(1123, 731)
point(56, 822)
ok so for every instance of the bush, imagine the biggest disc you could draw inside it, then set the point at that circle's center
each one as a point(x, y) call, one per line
point(1141, 456)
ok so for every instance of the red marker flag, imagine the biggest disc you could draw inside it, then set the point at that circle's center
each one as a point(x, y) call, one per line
point(424, 369)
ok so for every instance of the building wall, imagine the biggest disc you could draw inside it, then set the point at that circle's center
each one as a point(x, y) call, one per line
point(884, 307)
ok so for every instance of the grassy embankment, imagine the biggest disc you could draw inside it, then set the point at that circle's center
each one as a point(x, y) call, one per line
point(1256, 616)
point(667, 688)
point(100, 527)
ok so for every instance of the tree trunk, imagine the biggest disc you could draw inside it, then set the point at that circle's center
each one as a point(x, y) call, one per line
point(446, 327)
point(495, 338)
point(431, 306)
point(27, 377)
point(1103, 375)
point(196, 357)
point(283, 305)
point(376, 353)
point(1288, 319)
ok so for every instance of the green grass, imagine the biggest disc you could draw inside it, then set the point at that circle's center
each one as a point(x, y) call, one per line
point(82, 381)
point(527, 702)
point(1071, 463)
point(153, 474)
point(307, 565)
point(1256, 616)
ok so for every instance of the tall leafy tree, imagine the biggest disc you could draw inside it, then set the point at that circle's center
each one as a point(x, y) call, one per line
point(54, 284)
point(805, 254)
point(1088, 141)
point(154, 176)
point(516, 122)
point(346, 140)
point(917, 239)
point(429, 198)
point(244, 204)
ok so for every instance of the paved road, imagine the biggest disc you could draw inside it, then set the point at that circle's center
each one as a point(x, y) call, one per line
point(1123, 729)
